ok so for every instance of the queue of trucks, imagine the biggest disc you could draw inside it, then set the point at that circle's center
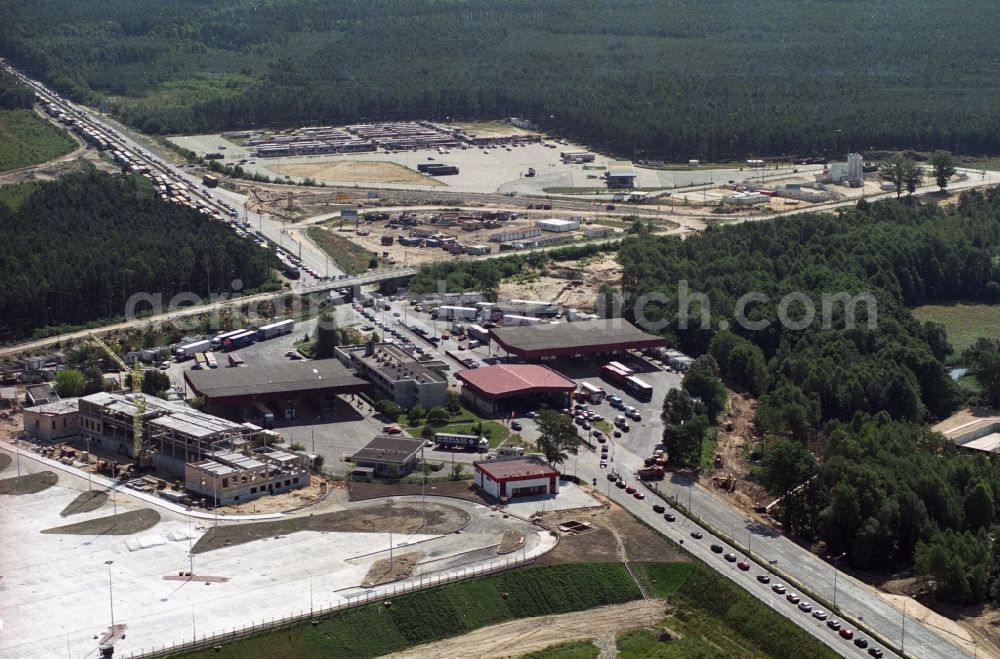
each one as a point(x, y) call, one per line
point(232, 340)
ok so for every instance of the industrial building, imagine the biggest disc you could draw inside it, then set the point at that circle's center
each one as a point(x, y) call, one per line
point(517, 477)
point(227, 387)
point(40, 394)
point(495, 391)
point(588, 337)
point(229, 477)
point(558, 226)
point(386, 455)
point(620, 175)
point(395, 374)
point(978, 433)
point(52, 421)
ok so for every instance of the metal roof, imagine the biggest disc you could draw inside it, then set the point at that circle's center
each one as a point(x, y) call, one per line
point(517, 468)
point(505, 380)
point(388, 449)
point(275, 380)
point(580, 337)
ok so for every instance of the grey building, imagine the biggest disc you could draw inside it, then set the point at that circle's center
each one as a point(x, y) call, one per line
point(395, 374)
point(388, 456)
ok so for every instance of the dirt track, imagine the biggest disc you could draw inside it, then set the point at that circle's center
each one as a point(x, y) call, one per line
point(517, 637)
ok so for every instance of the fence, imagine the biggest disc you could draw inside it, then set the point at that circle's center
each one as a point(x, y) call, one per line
point(236, 633)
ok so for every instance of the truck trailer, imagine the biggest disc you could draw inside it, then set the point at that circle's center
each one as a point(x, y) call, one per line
point(241, 340)
point(188, 351)
point(275, 329)
point(454, 313)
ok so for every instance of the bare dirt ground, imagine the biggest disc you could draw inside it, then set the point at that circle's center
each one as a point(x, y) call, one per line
point(28, 483)
point(616, 536)
point(85, 502)
point(573, 284)
point(735, 445)
point(511, 541)
point(518, 637)
point(358, 170)
point(281, 502)
point(458, 489)
point(490, 128)
point(54, 169)
point(404, 518)
point(134, 521)
point(383, 571)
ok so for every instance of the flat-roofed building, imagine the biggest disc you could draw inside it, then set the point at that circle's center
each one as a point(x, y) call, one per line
point(228, 477)
point(586, 337)
point(52, 421)
point(517, 477)
point(387, 455)
point(395, 374)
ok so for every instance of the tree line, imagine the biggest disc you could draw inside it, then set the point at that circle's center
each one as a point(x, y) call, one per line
point(77, 248)
point(13, 94)
point(881, 487)
point(647, 79)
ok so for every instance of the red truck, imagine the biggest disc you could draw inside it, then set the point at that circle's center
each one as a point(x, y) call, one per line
point(650, 473)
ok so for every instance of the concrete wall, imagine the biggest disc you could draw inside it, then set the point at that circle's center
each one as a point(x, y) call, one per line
point(50, 427)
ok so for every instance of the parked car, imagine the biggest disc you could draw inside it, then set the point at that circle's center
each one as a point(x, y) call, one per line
point(392, 430)
point(604, 464)
point(515, 425)
point(164, 366)
point(612, 477)
point(620, 485)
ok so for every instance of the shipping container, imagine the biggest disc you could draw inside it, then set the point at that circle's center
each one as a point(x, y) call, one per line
point(275, 329)
point(235, 360)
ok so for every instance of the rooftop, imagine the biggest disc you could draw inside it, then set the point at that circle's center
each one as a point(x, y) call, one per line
point(396, 364)
point(585, 336)
point(514, 379)
point(65, 406)
point(621, 169)
point(284, 379)
point(528, 466)
point(385, 448)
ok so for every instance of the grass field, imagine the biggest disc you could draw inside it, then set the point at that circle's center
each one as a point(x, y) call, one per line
point(349, 257)
point(28, 483)
point(437, 613)
point(462, 424)
point(714, 618)
point(26, 139)
point(965, 322)
point(128, 523)
point(568, 650)
point(13, 196)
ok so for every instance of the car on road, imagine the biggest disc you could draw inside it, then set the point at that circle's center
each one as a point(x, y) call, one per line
point(639, 495)
point(764, 578)
point(657, 508)
point(875, 652)
point(861, 642)
point(620, 485)
point(743, 565)
point(396, 314)
point(778, 588)
point(445, 337)
point(697, 535)
point(367, 328)
point(618, 433)
point(731, 557)
point(805, 606)
point(630, 489)
point(793, 598)
point(846, 633)
point(461, 347)
point(670, 517)
point(586, 425)
point(392, 430)
point(819, 614)
point(636, 416)
point(164, 366)
point(717, 548)
point(612, 477)
point(833, 624)
point(531, 415)
point(516, 425)
point(601, 438)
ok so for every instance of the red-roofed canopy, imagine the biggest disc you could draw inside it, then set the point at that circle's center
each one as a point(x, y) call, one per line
point(506, 380)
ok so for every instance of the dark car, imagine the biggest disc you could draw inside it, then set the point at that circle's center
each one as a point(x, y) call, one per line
point(764, 578)
point(875, 652)
point(834, 624)
point(697, 535)
point(670, 518)
point(612, 477)
point(717, 548)
point(657, 508)
point(620, 485)
point(861, 642)
point(515, 425)
point(731, 557)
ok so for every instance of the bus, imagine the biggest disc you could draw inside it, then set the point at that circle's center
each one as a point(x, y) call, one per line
point(638, 388)
point(200, 361)
point(593, 393)
point(621, 367)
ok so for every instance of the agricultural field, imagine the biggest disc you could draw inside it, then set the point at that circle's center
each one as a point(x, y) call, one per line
point(965, 322)
point(26, 139)
point(377, 629)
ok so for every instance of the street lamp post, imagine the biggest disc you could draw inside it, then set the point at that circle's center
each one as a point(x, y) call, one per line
point(111, 596)
point(835, 559)
point(389, 503)
point(190, 533)
point(88, 463)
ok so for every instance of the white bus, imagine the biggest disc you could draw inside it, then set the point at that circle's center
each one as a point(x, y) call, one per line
point(593, 393)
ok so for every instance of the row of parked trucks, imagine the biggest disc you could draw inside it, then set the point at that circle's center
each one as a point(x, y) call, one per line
point(235, 339)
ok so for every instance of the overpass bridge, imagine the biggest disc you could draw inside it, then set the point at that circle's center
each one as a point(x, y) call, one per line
point(388, 280)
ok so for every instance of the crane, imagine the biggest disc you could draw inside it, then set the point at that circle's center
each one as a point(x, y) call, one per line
point(138, 451)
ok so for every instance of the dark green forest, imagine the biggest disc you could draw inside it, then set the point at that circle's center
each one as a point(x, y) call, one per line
point(77, 248)
point(13, 94)
point(887, 491)
point(644, 78)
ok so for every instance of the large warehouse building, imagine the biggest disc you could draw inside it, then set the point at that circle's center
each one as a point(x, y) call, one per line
point(495, 391)
point(586, 337)
point(278, 382)
point(518, 477)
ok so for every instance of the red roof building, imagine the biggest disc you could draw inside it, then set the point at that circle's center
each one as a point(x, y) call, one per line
point(486, 389)
point(527, 476)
